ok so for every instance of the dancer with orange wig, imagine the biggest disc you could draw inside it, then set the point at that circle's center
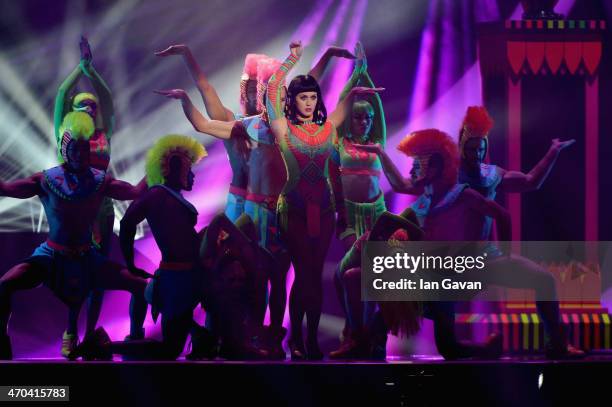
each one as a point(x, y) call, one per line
point(487, 179)
point(449, 211)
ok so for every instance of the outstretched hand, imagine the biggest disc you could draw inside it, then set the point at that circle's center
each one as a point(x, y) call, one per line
point(86, 55)
point(296, 48)
point(172, 93)
point(340, 52)
point(364, 91)
point(177, 49)
point(559, 145)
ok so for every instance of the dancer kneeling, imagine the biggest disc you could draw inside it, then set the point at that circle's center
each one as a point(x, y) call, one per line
point(231, 259)
point(172, 292)
point(368, 330)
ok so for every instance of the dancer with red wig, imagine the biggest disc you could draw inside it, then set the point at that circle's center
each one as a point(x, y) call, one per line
point(450, 211)
point(487, 179)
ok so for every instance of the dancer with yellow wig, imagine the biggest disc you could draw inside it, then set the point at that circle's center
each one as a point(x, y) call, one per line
point(173, 290)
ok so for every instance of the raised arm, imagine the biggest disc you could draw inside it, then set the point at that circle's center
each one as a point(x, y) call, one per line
point(215, 128)
point(107, 110)
point(399, 184)
point(214, 107)
point(22, 188)
point(62, 104)
point(274, 106)
point(489, 207)
point(516, 181)
point(135, 214)
point(360, 77)
point(339, 114)
point(361, 66)
point(321, 66)
point(124, 191)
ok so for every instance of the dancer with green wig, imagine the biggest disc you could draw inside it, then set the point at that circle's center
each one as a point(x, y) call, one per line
point(68, 262)
point(364, 200)
point(100, 109)
point(360, 172)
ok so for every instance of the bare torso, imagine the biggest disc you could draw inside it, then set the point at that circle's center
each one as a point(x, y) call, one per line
point(360, 172)
point(458, 222)
point(267, 174)
point(360, 188)
point(173, 226)
point(238, 164)
point(70, 221)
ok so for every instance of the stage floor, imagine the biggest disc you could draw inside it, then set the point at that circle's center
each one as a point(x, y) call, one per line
point(601, 357)
point(411, 382)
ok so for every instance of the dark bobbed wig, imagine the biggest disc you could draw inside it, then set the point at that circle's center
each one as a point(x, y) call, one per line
point(299, 84)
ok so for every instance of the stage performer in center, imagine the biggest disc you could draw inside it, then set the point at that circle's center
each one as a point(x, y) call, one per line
point(306, 138)
point(250, 105)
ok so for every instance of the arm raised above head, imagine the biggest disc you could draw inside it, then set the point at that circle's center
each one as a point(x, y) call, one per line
point(339, 114)
point(107, 109)
point(274, 105)
point(214, 107)
point(321, 66)
point(62, 103)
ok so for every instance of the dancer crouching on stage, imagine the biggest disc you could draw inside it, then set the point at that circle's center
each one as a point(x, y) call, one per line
point(67, 262)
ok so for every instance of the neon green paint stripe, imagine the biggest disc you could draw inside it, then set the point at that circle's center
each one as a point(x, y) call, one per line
point(536, 331)
point(606, 320)
point(525, 322)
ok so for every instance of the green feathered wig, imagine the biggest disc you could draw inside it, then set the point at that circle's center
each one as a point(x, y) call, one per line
point(76, 125)
point(157, 166)
point(80, 97)
point(372, 105)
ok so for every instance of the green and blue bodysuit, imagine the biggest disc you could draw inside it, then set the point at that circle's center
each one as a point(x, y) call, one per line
point(305, 149)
